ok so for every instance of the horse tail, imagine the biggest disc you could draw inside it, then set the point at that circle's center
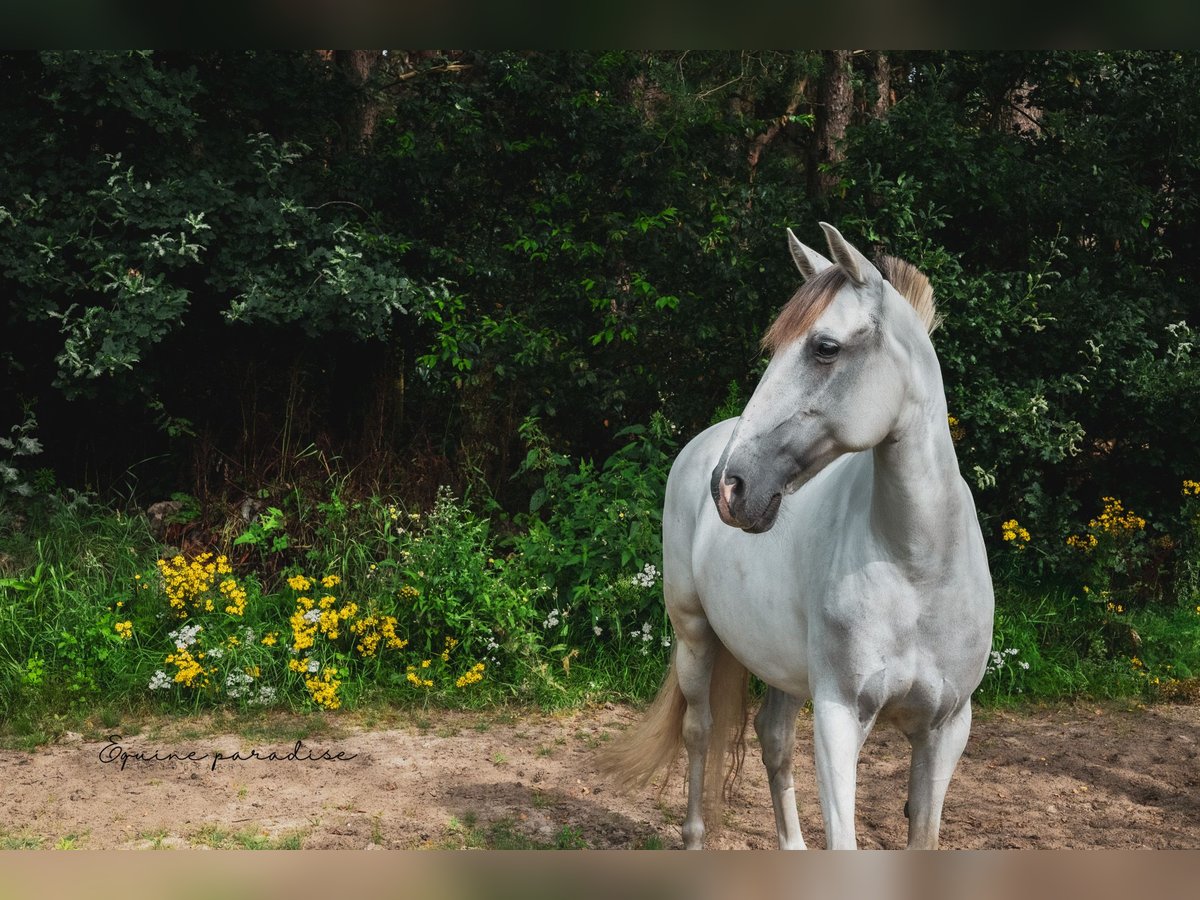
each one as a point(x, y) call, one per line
point(652, 744)
point(728, 695)
point(655, 742)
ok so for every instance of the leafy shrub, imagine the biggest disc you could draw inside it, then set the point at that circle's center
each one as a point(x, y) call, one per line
point(594, 534)
point(463, 589)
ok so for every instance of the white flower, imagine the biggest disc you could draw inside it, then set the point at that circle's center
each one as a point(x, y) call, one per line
point(1023, 664)
point(666, 641)
point(597, 629)
point(185, 636)
point(646, 628)
point(161, 681)
point(216, 653)
point(646, 578)
point(266, 694)
point(312, 615)
point(313, 665)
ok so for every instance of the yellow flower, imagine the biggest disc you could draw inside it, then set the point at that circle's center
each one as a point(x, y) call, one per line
point(235, 595)
point(1191, 488)
point(1012, 531)
point(299, 583)
point(190, 672)
point(269, 639)
point(1115, 519)
point(471, 676)
point(324, 689)
point(331, 581)
point(124, 629)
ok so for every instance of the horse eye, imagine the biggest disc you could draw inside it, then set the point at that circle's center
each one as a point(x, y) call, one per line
point(827, 349)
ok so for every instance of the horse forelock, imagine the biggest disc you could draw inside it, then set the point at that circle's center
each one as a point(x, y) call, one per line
point(813, 297)
point(801, 312)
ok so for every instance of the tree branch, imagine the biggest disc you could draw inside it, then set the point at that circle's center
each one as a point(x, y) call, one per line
point(408, 76)
point(759, 144)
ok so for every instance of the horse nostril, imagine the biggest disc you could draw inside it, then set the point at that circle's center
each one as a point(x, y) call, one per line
point(731, 489)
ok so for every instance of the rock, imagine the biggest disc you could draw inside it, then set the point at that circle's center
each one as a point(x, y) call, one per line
point(159, 515)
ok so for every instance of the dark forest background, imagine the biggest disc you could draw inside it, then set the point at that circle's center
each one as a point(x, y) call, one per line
point(222, 272)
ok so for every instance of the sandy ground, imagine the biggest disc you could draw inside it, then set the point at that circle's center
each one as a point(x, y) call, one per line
point(1066, 776)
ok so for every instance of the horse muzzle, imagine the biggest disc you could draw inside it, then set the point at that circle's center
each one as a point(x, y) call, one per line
point(737, 508)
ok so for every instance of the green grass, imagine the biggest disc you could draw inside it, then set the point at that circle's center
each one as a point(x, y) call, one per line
point(69, 842)
point(155, 837)
point(1075, 647)
point(10, 840)
point(504, 834)
point(245, 839)
point(63, 667)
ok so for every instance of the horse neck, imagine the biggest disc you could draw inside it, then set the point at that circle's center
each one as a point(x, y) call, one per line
point(916, 511)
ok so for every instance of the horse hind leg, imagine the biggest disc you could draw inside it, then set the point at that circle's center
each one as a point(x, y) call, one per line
point(695, 656)
point(935, 755)
point(776, 728)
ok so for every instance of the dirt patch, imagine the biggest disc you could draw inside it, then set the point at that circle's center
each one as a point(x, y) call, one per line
point(1069, 776)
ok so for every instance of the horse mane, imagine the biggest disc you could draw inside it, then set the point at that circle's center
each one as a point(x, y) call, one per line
point(813, 297)
point(911, 284)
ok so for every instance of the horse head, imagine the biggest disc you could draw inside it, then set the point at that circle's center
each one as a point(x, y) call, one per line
point(836, 383)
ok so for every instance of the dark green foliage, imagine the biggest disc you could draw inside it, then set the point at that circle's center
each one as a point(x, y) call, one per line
point(235, 274)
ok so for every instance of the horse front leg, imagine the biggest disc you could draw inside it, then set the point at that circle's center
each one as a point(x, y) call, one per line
point(935, 755)
point(694, 658)
point(838, 737)
point(776, 728)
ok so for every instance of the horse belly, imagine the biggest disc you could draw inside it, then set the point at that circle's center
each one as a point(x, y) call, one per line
point(754, 608)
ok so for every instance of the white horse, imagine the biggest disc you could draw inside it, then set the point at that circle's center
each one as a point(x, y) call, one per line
point(826, 542)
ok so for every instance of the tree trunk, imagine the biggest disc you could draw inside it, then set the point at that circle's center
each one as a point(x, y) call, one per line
point(359, 67)
point(881, 74)
point(833, 116)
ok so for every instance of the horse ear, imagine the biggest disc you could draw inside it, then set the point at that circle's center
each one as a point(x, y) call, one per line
point(807, 260)
point(858, 267)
